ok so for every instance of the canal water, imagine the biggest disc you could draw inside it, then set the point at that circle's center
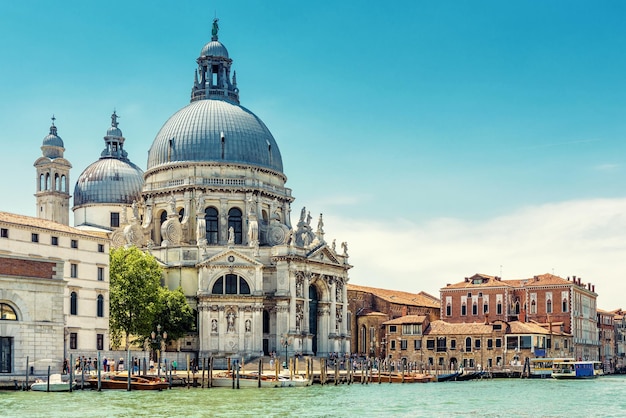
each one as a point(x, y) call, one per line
point(603, 397)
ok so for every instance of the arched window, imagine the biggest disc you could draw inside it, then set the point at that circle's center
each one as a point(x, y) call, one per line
point(468, 344)
point(474, 308)
point(42, 182)
point(517, 307)
point(57, 182)
point(163, 216)
point(549, 306)
point(463, 309)
point(448, 310)
point(244, 289)
point(564, 307)
point(63, 183)
point(211, 220)
point(47, 181)
point(73, 303)
point(218, 287)
point(100, 306)
point(231, 284)
point(533, 307)
point(7, 313)
point(235, 221)
point(181, 214)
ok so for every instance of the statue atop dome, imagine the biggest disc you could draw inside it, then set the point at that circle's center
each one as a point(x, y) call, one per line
point(215, 29)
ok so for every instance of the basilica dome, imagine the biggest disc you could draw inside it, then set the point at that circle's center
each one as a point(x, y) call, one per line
point(214, 127)
point(113, 179)
point(109, 180)
point(215, 131)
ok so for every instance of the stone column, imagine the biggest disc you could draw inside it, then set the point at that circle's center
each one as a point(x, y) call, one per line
point(333, 306)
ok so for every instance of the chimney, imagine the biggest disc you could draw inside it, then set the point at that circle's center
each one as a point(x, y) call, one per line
point(568, 278)
point(486, 319)
point(466, 279)
point(593, 288)
point(404, 310)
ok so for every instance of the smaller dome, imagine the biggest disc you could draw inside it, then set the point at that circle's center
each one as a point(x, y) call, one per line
point(52, 140)
point(114, 131)
point(214, 49)
point(111, 181)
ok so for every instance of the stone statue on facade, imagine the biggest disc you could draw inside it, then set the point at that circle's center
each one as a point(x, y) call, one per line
point(344, 245)
point(230, 322)
point(231, 235)
point(171, 205)
point(214, 325)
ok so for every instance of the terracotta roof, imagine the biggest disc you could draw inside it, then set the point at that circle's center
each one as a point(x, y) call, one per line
point(406, 319)
point(402, 298)
point(486, 281)
point(29, 221)
point(445, 328)
point(479, 328)
point(482, 280)
point(518, 327)
point(603, 312)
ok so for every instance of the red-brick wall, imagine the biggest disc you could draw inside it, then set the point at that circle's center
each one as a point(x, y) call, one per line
point(27, 268)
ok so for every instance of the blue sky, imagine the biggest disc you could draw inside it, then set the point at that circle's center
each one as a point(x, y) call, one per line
point(439, 138)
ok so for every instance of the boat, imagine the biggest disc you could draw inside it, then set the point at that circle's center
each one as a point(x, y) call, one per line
point(251, 380)
point(469, 375)
point(57, 384)
point(572, 369)
point(120, 381)
point(446, 377)
point(394, 377)
point(541, 367)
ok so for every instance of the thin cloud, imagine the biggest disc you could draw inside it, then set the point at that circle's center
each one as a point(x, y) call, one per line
point(583, 238)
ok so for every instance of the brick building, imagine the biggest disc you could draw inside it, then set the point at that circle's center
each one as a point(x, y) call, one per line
point(606, 335)
point(370, 307)
point(545, 299)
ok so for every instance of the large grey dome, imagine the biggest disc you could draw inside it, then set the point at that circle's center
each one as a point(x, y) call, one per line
point(109, 180)
point(215, 131)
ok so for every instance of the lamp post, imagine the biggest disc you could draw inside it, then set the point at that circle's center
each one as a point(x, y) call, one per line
point(285, 341)
point(158, 340)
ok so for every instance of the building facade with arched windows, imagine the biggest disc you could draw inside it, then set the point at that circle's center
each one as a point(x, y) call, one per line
point(213, 208)
point(53, 293)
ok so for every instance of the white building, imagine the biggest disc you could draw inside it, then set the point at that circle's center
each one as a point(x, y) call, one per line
point(213, 208)
point(53, 293)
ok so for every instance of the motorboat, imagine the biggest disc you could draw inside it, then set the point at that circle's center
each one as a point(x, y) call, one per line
point(120, 381)
point(54, 384)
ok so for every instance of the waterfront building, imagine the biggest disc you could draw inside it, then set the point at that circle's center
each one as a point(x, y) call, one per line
point(371, 307)
point(214, 210)
point(497, 345)
point(53, 293)
point(619, 322)
point(544, 299)
point(606, 333)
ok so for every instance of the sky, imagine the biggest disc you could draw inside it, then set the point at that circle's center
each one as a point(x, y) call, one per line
point(438, 138)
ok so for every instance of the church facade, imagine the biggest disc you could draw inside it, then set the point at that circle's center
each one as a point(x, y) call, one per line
point(213, 208)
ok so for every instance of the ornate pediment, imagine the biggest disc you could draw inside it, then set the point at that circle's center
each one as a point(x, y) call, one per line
point(323, 254)
point(230, 258)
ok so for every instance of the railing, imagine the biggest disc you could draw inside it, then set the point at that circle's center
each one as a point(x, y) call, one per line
point(218, 181)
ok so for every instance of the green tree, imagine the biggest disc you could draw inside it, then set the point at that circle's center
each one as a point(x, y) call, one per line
point(134, 293)
point(175, 315)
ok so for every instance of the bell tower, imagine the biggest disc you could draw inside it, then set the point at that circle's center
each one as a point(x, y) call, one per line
point(53, 179)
